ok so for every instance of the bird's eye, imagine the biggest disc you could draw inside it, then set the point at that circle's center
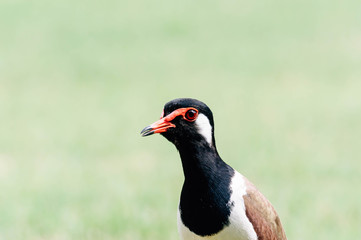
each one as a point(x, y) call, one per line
point(191, 115)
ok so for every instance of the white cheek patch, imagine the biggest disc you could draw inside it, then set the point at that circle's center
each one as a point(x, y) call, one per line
point(204, 127)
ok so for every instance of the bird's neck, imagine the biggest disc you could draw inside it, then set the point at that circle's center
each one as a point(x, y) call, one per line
point(200, 161)
point(203, 204)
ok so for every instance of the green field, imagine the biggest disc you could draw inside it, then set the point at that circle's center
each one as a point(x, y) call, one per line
point(80, 79)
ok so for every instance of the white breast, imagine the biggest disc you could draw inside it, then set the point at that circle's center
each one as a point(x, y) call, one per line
point(240, 228)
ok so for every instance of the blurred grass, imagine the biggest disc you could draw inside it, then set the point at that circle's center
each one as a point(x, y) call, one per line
point(79, 80)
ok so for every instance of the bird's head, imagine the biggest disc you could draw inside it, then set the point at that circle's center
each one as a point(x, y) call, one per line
point(184, 120)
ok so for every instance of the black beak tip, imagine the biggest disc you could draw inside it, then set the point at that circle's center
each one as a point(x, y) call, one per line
point(147, 131)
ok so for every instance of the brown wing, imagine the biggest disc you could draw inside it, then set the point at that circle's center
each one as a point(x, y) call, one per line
point(262, 215)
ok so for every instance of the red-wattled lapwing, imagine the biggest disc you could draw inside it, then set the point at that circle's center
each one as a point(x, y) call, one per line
point(216, 202)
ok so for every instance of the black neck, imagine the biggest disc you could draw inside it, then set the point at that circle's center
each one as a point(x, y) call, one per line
point(206, 191)
point(199, 160)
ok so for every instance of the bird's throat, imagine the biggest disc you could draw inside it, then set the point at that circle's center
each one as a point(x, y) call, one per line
point(200, 161)
point(204, 203)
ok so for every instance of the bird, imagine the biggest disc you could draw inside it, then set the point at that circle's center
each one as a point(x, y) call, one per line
point(216, 201)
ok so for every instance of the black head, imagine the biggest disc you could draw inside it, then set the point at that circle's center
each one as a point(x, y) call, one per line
point(185, 120)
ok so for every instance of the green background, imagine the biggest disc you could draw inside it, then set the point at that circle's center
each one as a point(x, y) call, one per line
point(80, 79)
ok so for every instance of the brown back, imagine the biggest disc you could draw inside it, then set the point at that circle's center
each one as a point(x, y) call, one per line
point(262, 215)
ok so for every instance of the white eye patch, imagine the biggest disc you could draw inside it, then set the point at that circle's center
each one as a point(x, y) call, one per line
point(204, 128)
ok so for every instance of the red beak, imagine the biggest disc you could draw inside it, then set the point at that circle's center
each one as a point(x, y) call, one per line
point(159, 126)
point(164, 123)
